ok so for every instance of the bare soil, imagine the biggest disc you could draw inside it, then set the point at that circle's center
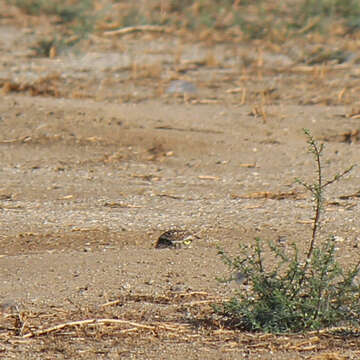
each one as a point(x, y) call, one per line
point(97, 159)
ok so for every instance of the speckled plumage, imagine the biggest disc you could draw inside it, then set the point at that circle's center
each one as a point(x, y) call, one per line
point(174, 239)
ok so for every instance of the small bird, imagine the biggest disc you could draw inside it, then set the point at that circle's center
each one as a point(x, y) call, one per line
point(174, 239)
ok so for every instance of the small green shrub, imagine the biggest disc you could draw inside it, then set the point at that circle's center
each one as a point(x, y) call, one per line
point(78, 17)
point(331, 8)
point(66, 10)
point(31, 7)
point(300, 290)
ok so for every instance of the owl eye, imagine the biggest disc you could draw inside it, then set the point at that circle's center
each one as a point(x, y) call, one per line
point(187, 242)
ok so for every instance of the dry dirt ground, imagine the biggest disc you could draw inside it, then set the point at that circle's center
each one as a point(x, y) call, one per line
point(97, 159)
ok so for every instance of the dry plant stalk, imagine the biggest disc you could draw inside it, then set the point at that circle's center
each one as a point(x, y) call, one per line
point(87, 322)
point(317, 190)
point(143, 28)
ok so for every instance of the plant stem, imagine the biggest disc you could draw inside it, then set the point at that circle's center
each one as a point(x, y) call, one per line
point(317, 193)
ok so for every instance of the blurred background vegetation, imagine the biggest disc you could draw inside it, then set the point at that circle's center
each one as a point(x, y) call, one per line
point(244, 19)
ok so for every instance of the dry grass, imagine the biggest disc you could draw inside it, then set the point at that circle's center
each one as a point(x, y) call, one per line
point(185, 318)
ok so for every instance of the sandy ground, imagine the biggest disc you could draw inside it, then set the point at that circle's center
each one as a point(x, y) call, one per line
point(97, 159)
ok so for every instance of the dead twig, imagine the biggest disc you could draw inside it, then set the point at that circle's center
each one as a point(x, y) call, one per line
point(22, 139)
point(111, 303)
point(121, 205)
point(271, 195)
point(170, 196)
point(87, 322)
point(143, 28)
point(203, 302)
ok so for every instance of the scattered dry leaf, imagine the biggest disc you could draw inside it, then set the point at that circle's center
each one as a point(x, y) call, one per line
point(120, 205)
point(208, 177)
point(270, 195)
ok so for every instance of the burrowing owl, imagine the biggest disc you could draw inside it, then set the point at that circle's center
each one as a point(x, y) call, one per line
point(174, 239)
